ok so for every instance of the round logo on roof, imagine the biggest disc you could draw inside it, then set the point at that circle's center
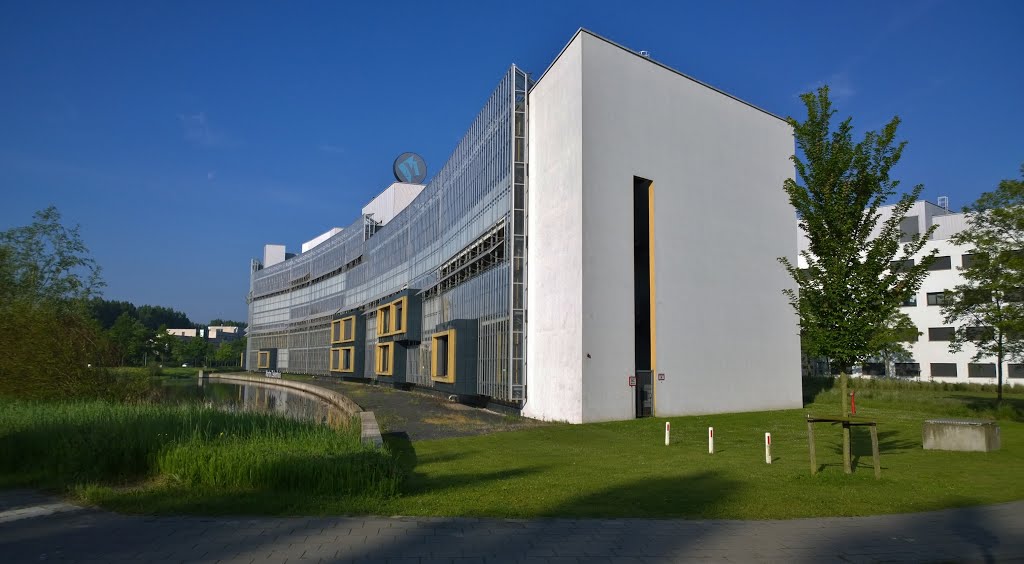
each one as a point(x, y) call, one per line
point(411, 168)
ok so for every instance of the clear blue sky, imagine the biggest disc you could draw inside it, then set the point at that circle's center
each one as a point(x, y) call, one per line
point(182, 136)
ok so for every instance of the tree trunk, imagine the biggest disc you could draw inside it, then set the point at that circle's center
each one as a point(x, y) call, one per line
point(999, 378)
point(843, 392)
point(843, 381)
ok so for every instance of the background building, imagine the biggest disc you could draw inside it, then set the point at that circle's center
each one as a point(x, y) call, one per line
point(601, 245)
point(931, 358)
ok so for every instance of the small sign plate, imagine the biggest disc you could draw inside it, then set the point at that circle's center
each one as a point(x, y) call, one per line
point(661, 376)
point(632, 381)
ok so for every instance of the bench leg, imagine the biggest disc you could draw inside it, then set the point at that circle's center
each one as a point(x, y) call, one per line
point(810, 446)
point(874, 452)
point(846, 449)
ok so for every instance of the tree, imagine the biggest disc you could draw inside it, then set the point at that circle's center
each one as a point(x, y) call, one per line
point(165, 345)
point(130, 339)
point(195, 350)
point(48, 339)
point(891, 341)
point(989, 305)
point(852, 288)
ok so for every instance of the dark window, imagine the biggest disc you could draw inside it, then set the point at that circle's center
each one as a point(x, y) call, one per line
point(910, 336)
point(1014, 296)
point(910, 302)
point(901, 265)
point(943, 370)
point(936, 298)
point(979, 370)
point(979, 333)
point(873, 369)
point(908, 228)
point(1015, 370)
point(971, 259)
point(975, 297)
point(908, 369)
point(941, 263)
point(940, 333)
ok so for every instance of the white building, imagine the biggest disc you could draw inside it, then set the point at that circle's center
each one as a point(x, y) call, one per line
point(601, 245)
point(932, 359)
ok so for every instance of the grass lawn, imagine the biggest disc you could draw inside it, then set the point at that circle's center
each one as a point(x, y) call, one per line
point(623, 469)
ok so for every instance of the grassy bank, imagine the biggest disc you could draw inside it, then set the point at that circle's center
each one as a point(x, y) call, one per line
point(624, 469)
point(96, 447)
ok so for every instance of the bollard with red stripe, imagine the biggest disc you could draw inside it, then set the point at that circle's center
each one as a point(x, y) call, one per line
point(711, 440)
point(767, 448)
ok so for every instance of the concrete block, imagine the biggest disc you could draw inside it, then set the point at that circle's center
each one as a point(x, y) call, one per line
point(976, 435)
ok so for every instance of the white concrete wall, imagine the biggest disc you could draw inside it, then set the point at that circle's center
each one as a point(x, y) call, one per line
point(308, 245)
point(273, 254)
point(392, 201)
point(726, 336)
point(555, 252)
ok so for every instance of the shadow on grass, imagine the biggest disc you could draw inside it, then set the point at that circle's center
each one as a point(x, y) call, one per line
point(1011, 409)
point(697, 495)
point(812, 386)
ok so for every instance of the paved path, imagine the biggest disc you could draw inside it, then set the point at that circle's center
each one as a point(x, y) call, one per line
point(38, 528)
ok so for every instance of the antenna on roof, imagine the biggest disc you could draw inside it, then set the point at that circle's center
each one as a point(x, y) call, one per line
point(645, 54)
point(944, 202)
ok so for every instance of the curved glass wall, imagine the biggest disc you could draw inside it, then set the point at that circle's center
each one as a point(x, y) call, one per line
point(479, 192)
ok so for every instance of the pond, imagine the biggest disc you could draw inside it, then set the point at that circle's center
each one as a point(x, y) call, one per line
point(244, 396)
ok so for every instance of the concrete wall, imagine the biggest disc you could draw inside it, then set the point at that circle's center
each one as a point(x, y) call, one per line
point(726, 337)
point(392, 201)
point(555, 252)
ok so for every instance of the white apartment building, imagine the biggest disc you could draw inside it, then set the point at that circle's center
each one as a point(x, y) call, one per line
point(932, 359)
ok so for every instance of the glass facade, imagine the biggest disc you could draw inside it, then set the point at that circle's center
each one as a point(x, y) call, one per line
point(461, 244)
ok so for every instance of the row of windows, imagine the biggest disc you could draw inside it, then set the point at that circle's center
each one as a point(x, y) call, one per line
point(940, 263)
point(442, 358)
point(943, 369)
point(939, 298)
point(946, 333)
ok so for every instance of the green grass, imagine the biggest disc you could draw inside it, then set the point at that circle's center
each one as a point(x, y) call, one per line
point(98, 447)
point(623, 468)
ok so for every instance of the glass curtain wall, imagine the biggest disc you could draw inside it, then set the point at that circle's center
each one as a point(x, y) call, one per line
point(481, 187)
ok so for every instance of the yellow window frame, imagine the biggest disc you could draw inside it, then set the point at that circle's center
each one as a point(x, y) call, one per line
point(449, 376)
point(385, 351)
point(263, 359)
point(397, 315)
point(338, 359)
point(343, 330)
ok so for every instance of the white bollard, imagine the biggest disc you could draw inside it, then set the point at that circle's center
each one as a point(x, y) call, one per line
point(711, 440)
point(767, 448)
point(667, 426)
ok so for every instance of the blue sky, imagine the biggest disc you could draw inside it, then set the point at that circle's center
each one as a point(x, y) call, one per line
point(182, 136)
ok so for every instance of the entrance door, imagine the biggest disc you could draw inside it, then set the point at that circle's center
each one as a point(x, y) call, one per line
point(644, 393)
point(643, 295)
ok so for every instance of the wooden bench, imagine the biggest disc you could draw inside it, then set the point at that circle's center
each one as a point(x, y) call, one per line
point(847, 423)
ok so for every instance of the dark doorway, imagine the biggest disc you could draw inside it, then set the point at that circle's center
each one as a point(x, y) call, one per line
point(642, 295)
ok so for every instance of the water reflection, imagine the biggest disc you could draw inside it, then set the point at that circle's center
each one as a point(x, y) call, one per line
point(238, 396)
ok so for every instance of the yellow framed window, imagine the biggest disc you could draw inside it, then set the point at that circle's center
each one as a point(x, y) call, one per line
point(342, 359)
point(343, 330)
point(393, 318)
point(384, 320)
point(263, 359)
point(385, 365)
point(442, 356)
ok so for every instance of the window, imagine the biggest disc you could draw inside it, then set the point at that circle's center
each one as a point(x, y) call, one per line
point(343, 330)
point(910, 302)
point(941, 263)
point(385, 359)
point(936, 298)
point(392, 318)
point(981, 370)
point(263, 359)
point(383, 320)
point(943, 370)
point(873, 369)
point(975, 296)
point(1014, 296)
point(442, 356)
point(976, 334)
point(908, 228)
point(940, 333)
point(908, 369)
point(341, 359)
point(1015, 370)
point(901, 265)
point(971, 259)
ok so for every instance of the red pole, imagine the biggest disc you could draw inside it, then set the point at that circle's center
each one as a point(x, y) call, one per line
point(853, 402)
